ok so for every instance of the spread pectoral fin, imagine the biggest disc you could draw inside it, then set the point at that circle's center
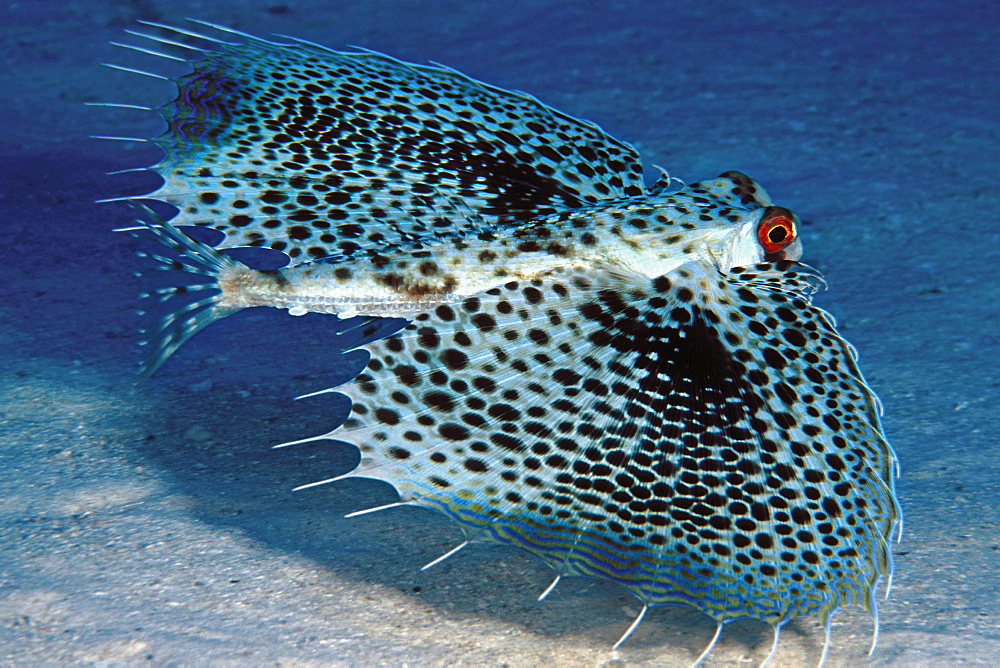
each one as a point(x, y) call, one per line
point(700, 438)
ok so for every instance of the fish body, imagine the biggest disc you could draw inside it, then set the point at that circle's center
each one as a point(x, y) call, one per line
point(648, 236)
point(629, 382)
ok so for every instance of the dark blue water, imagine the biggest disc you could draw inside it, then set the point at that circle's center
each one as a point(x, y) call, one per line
point(152, 522)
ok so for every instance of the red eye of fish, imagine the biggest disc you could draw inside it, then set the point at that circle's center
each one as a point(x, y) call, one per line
point(776, 229)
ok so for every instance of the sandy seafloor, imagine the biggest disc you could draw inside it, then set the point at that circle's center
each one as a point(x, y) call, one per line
point(154, 524)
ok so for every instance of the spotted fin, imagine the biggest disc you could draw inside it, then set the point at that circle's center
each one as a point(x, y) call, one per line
point(317, 152)
point(699, 438)
point(189, 299)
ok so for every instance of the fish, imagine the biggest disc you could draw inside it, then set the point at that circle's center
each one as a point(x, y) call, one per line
point(629, 381)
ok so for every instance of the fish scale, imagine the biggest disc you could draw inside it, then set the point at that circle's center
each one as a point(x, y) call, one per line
point(630, 383)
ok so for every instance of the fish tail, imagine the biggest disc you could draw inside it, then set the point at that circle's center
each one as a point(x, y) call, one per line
point(191, 297)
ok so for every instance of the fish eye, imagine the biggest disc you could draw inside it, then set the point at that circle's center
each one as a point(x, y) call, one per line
point(776, 229)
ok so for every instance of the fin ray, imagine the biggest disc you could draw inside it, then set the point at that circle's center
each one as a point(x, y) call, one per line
point(150, 52)
point(132, 70)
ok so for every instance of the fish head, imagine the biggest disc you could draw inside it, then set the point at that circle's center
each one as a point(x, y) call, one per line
point(726, 222)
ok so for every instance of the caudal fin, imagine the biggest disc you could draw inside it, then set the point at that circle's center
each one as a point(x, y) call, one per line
point(191, 298)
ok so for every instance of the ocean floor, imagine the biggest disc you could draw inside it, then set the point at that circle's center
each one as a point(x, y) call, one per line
point(152, 522)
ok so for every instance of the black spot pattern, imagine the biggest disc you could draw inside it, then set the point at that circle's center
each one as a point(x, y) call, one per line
point(650, 440)
point(318, 153)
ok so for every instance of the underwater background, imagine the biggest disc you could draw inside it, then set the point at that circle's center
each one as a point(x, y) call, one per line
point(153, 522)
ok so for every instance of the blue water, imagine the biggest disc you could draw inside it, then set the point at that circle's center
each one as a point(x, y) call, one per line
point(153, 522)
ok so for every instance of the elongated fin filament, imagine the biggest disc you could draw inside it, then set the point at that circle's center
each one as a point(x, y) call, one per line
point(118, 105)
point(180, 31)
point(113, 138)
point(444, 556)
point(366, 511)
point(315, 394)
point(875, 629)
point(711, 645)
point(548, 590)
point(632, 627)
point(163, 40)
point(311, 439)
point(827, 635)
point(774, 646)
point(149, 51)
point(135, 71)
point(327, 481)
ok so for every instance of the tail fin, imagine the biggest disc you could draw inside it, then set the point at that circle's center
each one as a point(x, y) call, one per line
point(187, 307)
